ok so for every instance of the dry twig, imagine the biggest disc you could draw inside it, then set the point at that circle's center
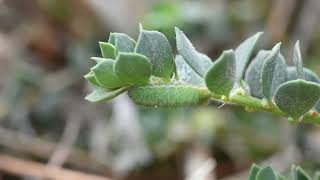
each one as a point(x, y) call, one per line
point(27, 168)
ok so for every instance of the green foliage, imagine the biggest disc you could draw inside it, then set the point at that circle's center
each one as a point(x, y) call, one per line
point(133, 68)
point(186, 74)
point(273, 73)
point(100, 94)
point(122, 42)
point(156, 47)
point(197, 61)
point(267, 173)
point(307, 74)
point(243, 53)
point(301, 174)
point(91, 78)
point(253, 73)
point(221, 76)
point(105, 76)
point(253, 172)
point(153, 77)
point(107, 50)
point(298, 60)
point(297, 97)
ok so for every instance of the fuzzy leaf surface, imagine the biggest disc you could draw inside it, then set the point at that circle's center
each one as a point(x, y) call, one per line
point(221, 76)
point(186, 73)
point(297, 97)
point(105, 76)
point(107, 50)
point(298, 60)
point(122, 42)
point(197, 61)
point(273, 73)
point(308, 74)
point(155, 46)
point(243, 53)
point(253, 73)
point(101, 94)
point(133, 68)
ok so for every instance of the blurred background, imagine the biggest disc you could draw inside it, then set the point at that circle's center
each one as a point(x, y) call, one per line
point(48, 130)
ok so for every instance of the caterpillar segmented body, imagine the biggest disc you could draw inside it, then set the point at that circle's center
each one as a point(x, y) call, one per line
point(169, 95)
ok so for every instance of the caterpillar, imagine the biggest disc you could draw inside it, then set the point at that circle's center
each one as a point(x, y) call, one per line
point(169, 95)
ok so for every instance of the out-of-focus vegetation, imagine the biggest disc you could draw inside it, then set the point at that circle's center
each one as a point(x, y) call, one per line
point(45, 47)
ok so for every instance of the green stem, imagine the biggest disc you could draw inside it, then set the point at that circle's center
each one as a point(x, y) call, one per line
point(262, 105)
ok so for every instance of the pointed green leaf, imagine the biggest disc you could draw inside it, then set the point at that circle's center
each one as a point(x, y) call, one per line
point(186, 73)
point(169, 95)
point(244, 52)
point(254, 171)
point(91, 78)
point(100, 94)
point(199, 62)
point(298, 60)
point(308, 74)
point(122, 42)
point(301, 174)
point(221, 76)
point(98, 59)
point(112, 38)
point(253, 73)
point(133, 68)
point(273, 73)
point(107, 50)
point(155, 46)
point(266, 173)
point(105, 76)
point(297, 97)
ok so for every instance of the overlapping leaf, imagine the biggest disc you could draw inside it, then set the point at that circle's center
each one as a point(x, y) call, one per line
point(253, 73)
point(155, 46)
point(243, 53)
point(266, 173)
point(221, 76)
point(186, 74)
point(105, 75)
point(91, 78)
point(100, 94)
point(298, 60)
point(273, 73)
point(132, 68)
point(122, 42)
point(253, 172)
point(308, 74)
point(197, 61)
point(107, 50)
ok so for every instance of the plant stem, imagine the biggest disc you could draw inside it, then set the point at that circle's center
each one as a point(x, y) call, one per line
point(253, 104)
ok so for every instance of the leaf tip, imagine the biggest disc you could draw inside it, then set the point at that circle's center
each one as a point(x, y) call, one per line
point(297, 44)
point(140, 26)
point(277, 46)
point(228, 52)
